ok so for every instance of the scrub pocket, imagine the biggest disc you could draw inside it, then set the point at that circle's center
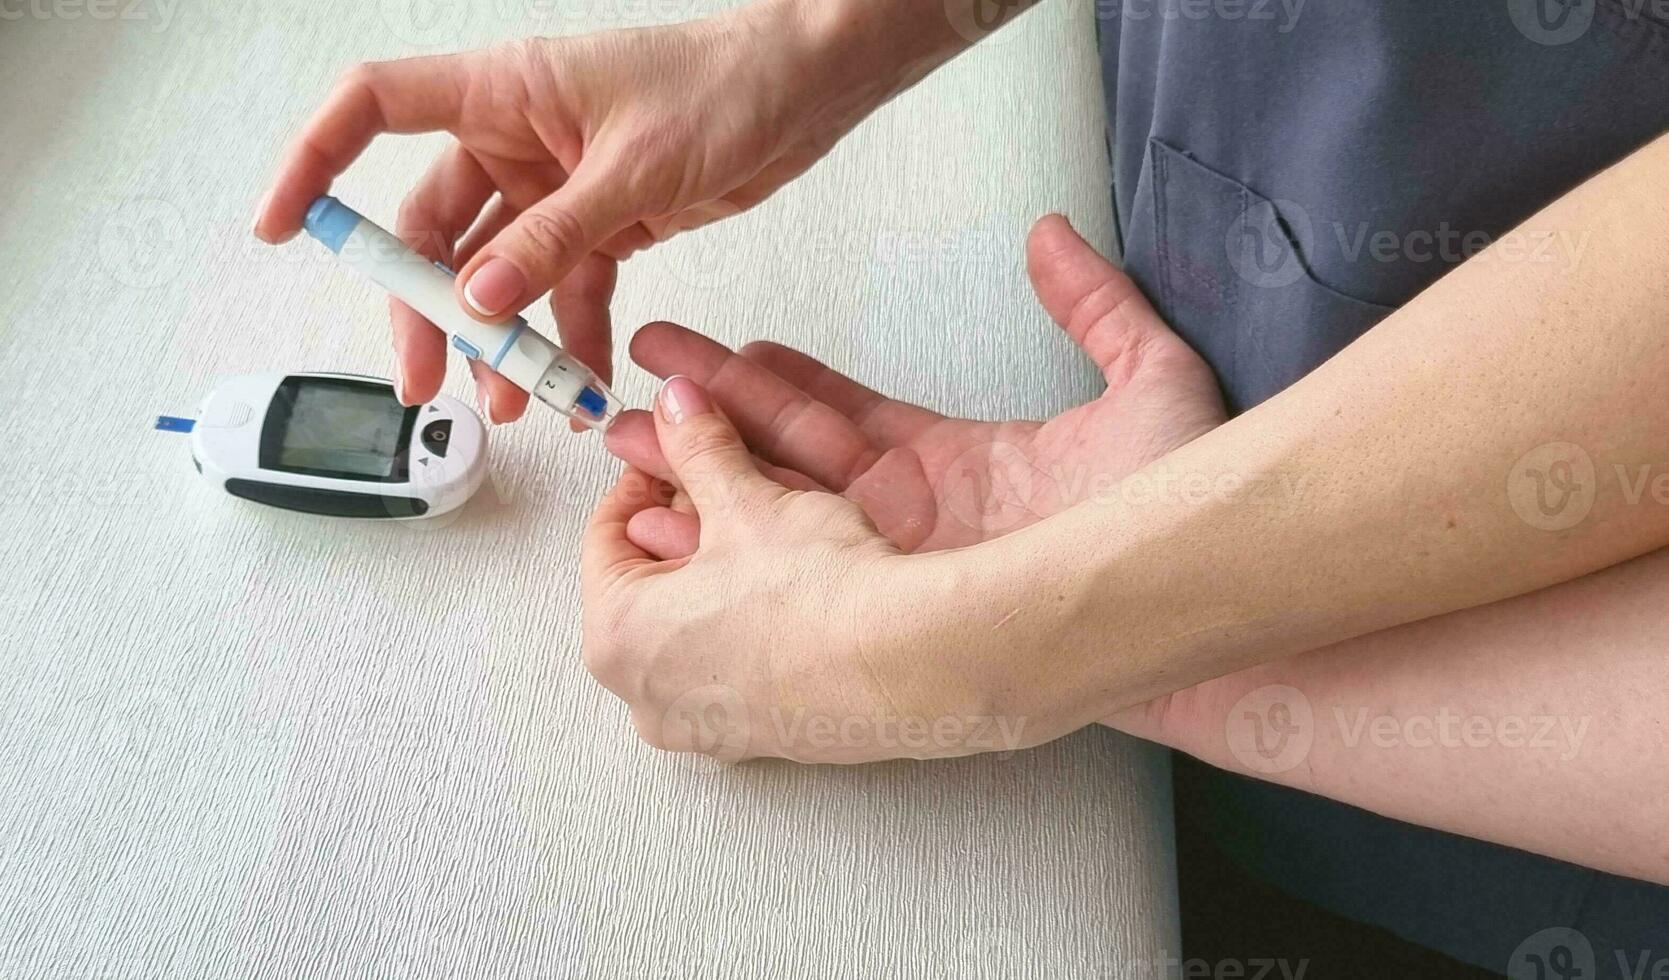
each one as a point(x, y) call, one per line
point(1226, 267)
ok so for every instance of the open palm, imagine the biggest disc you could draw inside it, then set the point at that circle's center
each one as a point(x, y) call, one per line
point(926, 480)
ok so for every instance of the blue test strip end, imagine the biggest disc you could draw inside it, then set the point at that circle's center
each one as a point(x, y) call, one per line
point(330, 221)
point(168, 423)
point(592, 402)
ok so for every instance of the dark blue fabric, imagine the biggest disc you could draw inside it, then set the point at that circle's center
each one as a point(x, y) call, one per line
point(1287, 173)
point(1362, 117)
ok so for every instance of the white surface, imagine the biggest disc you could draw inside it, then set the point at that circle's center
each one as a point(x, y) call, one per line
point(239, 742)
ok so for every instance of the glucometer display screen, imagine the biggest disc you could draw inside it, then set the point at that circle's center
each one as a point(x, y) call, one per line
point(337, 428)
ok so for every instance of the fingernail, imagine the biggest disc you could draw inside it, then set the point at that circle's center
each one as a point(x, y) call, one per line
point(484, 398)
point(260, 209)
point(495, 286)
point(682, 398)
point(400, 385)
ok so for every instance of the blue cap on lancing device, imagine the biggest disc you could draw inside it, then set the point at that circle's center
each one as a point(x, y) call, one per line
point(330, 221)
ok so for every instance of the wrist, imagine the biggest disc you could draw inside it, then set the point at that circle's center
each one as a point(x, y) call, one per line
point(851, 56)
point(967, 634)
point(907, 38)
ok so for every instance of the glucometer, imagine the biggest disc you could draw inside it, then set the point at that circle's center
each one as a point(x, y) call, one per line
point(336, 444)
point(513, 349)
point(342, 444)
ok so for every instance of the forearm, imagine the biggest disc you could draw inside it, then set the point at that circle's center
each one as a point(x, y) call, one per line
point(1535, 722)
point(867, 51)
point(905, 31)
point(1374, 492)
point(1393, 484)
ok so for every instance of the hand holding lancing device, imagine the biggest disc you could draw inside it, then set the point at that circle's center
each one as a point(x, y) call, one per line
point(572, 153)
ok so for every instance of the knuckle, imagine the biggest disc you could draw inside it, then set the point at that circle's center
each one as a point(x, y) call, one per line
point(619, 635)
point(529, 62)
point(410, 212)
point(415, 225)
point(521, 52)
point(552, 231)
point(517, 56)
point(605, 647)
point(653, 730)
point(812, 507)
point(601, 660)
point(755, 513)
point(706, 474)
point(652, 735)
point(361, 75)
point(662, 135)
point(704, 446)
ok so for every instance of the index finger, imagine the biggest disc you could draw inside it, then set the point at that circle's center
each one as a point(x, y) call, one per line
point(412, 95)
point(781, 422)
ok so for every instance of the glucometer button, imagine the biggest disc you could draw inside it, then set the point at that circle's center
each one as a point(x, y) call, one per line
point(466, 348)
point(228, 415)
point(437, 435)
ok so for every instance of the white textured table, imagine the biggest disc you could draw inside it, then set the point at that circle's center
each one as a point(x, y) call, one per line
point(244, 743)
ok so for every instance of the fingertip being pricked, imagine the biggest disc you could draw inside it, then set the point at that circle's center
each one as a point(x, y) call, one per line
point(650, 339)
point(632, 439)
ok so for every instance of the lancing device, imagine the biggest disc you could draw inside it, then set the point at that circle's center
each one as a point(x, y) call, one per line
point(513, 349)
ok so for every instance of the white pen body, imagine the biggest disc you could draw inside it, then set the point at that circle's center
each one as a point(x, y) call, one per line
point(427, 288)
point(513, 349)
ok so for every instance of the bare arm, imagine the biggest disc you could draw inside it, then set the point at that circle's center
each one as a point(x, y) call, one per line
point(1395, 483)
point(1487, 441)
point(1535, 721)
point(1538, 722)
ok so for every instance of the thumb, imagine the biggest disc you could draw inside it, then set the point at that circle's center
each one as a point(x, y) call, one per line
point(534, 252)
point(705, 452)
point(1101, 308)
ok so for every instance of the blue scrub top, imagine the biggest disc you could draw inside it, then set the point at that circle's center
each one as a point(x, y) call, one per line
point(1287, 173)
